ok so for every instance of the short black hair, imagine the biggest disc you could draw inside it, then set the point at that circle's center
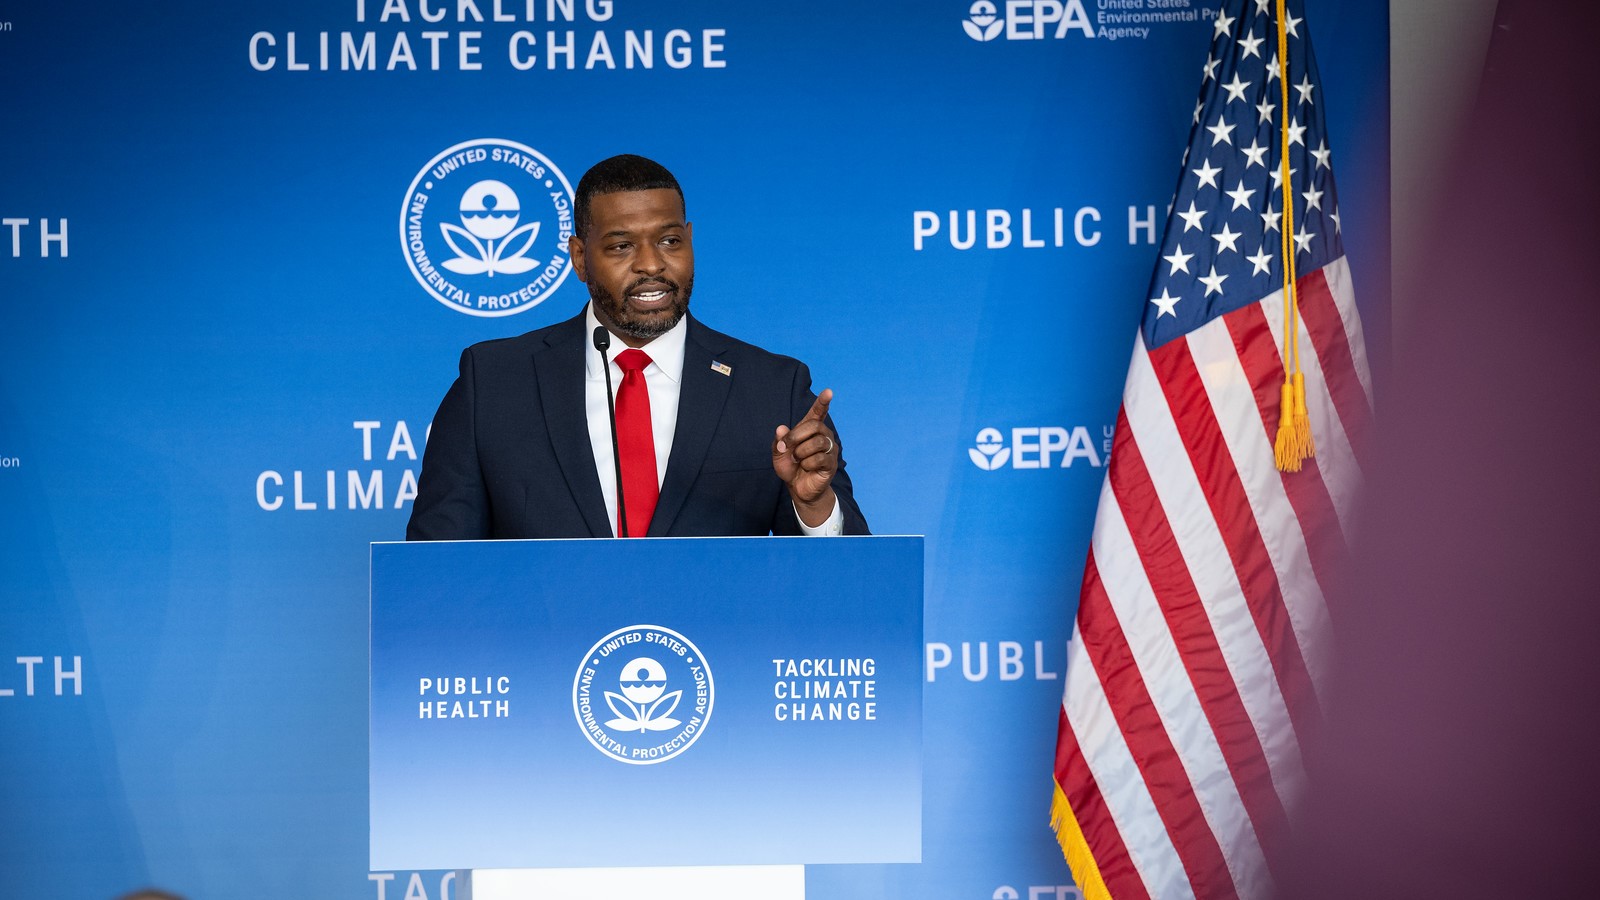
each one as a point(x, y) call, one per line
point(626, 172)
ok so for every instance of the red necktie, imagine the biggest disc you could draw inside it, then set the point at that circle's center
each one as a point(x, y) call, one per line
point(636, 443)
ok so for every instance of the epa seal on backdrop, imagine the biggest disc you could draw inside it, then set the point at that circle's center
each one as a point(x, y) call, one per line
point(642, 694)
point(484, 227)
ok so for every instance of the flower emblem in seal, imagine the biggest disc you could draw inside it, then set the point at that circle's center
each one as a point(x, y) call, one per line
point(643, 694)
point(484, 227)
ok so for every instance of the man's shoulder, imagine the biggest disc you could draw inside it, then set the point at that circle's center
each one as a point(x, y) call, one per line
point(724, 345)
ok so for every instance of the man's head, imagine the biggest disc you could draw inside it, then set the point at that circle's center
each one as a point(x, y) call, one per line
point(633, 247)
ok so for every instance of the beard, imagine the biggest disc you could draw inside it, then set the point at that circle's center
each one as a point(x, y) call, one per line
point(643, 326)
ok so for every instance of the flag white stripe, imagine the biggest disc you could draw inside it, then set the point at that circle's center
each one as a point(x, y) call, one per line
point(1122, 789)
point(1206, 557)
point(1337, 274)
point(1232, 399)
point(1172, 692)
point(1339, 284)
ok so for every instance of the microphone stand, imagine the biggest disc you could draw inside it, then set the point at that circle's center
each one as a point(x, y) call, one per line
point(602, 341)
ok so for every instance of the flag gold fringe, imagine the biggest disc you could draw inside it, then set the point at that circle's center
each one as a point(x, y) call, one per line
point(1076, 849)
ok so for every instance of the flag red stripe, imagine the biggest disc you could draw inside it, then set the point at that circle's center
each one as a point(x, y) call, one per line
point(1230, 507)
point(1148, 741)
point(1307, 492)
point(1320, 310)
point(1094, 819)
point(1190, 626)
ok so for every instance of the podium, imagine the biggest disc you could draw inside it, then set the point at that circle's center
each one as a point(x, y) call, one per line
point(675, 716)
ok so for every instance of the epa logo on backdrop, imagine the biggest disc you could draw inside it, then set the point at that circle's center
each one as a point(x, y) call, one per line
point(1036, 20)
point(484, 227)
point(1038, 447)
point(1026, 20)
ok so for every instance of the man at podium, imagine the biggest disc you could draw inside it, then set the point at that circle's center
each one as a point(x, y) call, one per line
point(711, 436)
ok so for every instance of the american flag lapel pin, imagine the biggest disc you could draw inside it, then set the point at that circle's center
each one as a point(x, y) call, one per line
point(721, 368)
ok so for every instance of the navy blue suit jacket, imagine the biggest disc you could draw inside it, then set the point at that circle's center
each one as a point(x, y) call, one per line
point(509, 454)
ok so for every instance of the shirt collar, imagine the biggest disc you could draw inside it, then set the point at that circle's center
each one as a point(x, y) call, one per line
point(666, 351)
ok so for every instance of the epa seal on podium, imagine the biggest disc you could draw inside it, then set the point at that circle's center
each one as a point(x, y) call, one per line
point(642, 694)
point(484, 227)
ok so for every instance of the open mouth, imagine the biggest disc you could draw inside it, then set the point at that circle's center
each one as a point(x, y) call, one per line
point(653, 298)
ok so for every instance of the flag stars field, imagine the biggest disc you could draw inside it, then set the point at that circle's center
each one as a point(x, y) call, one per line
point(1240, 161)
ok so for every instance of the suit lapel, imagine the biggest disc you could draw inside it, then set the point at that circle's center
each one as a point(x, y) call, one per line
point(559, 367)
point(700, 403)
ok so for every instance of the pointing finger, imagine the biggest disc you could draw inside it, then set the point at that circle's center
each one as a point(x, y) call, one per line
point(819, 409)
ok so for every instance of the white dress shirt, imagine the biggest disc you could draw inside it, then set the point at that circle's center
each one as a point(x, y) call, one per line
point(664, 379)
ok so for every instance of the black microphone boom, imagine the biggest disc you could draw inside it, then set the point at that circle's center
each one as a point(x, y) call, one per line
point(602, 341)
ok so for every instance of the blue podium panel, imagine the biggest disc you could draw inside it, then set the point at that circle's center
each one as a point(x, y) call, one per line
point(705, 701)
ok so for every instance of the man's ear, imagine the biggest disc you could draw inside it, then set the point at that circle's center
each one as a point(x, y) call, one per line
point(575, 252)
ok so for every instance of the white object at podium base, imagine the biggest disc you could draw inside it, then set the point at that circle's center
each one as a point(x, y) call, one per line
point(656, 883)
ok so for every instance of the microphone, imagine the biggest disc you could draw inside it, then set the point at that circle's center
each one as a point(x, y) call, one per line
point(602, 341)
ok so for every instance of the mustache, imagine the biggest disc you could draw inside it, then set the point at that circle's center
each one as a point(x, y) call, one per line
point(660, 283)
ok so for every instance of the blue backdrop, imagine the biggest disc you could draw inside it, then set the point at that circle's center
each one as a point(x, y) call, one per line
point(948, 209)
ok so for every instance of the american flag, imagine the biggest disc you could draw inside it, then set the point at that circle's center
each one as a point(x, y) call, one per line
point(1195, 672)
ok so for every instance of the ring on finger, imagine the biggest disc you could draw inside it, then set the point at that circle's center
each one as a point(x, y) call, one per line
point(831, 445)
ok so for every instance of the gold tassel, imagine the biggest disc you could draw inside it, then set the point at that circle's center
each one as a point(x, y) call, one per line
point(1286, 448)
point(1302, 420)
point(1293, 444)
